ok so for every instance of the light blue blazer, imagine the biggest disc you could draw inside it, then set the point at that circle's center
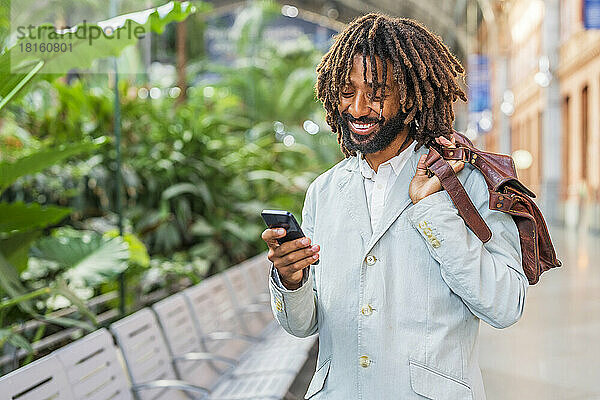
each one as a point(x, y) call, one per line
point(397, 308)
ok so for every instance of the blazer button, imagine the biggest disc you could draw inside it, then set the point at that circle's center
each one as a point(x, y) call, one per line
point(364, 361)
point(367, 310)
point(370, 260)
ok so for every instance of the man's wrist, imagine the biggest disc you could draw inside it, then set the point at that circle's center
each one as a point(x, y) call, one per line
point(290, 285)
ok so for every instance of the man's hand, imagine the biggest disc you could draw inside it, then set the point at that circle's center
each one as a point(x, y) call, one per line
point(421, 185)
point(290, 258)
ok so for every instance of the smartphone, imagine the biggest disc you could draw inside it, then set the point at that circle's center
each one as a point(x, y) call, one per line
point(286, 220)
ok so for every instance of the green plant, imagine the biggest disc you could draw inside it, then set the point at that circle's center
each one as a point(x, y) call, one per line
point(20, 225)
point(75, 260)
point(21, 68)
point(198, 173)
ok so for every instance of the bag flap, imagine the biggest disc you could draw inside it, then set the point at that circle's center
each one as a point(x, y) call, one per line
point(318, 379)
point(437, 385)
point(498, 169)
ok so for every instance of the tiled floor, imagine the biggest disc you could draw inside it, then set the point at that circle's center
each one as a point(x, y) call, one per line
point(553, 352)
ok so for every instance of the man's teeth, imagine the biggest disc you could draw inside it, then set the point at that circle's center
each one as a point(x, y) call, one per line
point(362, 126)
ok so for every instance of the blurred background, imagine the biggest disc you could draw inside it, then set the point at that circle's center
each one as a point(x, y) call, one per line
point(138, 167)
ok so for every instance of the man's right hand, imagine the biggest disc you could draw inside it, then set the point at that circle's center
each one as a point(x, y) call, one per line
point(290, 258)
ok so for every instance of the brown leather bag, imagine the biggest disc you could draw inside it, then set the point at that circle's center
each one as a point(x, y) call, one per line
point(507, 194)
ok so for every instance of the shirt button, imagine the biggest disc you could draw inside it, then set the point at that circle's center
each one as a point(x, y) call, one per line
point(370, 260)
point(364, 361)
point(380, 186)
point(366, 310)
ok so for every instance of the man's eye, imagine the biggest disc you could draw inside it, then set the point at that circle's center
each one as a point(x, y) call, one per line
point(376, 97)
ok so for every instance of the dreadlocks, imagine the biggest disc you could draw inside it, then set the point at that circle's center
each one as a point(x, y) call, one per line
point(423, 67)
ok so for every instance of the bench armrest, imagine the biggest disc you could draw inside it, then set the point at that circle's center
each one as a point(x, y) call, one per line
point(231, 335)
point(200, 356)
point(173, 384)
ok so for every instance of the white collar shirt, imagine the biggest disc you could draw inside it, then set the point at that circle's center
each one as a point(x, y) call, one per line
point(378, 184)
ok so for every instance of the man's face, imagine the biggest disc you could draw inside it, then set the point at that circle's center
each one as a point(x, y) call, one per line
point(359, 109)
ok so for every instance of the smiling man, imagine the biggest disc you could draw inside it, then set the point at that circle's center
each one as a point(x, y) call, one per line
point(402, 283)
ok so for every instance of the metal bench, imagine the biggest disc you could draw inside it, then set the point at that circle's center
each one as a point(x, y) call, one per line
point(215, 318)
point(95, 371)
point(254, 356)
point(219, 337)
point(87, 369)
point(146, 356)
point(216, 294)
point(250, 282)
point(41, 380)
point(179, 329)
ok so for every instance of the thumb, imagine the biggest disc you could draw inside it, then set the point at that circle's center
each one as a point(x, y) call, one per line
point(421, 167)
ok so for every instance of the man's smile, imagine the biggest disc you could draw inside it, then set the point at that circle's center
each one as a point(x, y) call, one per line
point(369, 134)
point(362, 128)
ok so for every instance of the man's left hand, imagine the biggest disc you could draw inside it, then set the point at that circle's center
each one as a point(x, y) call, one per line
point(422, 185)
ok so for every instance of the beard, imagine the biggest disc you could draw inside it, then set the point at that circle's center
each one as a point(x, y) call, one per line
point(375, 141)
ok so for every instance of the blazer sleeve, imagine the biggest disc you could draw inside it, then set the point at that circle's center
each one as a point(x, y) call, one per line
point(488, 277)
point(296, 310)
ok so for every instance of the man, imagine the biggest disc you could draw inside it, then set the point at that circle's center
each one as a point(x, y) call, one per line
point(402, 282)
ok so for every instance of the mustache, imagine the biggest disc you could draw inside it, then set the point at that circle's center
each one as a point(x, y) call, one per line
point(362, 120)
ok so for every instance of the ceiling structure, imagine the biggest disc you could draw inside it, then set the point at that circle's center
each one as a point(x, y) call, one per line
point(447, 18)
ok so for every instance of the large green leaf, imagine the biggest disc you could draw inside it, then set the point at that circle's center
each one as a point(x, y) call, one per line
point(138, 253)
point(89, 258)
point(14, 81)
point(82, 51)
point(20, 217)
point(38, 161)
point(16, 248)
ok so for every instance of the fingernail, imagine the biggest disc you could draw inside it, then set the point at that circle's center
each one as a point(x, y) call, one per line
point(315, 247)
point(304, 241)
point(280, 231)
point(316, 256)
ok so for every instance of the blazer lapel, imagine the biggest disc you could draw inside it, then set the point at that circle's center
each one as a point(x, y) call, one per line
point(398, 199)
point(352, 190)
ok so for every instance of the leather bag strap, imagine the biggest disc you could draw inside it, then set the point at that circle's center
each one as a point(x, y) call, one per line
point(442, 169)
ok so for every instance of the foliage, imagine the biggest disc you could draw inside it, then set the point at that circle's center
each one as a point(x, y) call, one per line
point(20, 67)
point(87, 258)
point(35, 162)
point(69, 261)
point(20, 225)
point(196, 173)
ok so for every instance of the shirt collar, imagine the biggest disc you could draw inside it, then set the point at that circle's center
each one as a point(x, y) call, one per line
point(397, 162)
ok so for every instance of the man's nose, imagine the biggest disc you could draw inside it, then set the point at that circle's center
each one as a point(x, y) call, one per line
point(360, 106)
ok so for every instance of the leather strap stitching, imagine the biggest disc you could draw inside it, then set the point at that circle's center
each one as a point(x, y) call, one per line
point(442, 169)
